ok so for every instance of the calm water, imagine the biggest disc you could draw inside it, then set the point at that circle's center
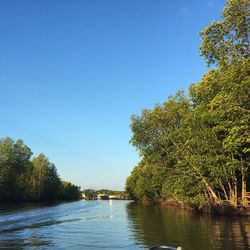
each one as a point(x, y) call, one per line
point(116, 225)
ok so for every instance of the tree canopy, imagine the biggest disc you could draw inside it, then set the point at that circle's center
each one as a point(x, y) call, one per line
point(195, 146)
point(227, 41)
point(23, 178)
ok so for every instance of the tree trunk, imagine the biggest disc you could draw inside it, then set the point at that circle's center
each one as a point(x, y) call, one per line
point(244, 192)
point(211, 192)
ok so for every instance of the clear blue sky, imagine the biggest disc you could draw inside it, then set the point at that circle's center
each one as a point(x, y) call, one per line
point(73, 72)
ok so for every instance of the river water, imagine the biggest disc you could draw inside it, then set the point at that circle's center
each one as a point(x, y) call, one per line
point(116, 225)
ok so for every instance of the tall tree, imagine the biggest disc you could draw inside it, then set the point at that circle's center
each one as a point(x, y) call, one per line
point(14, 169)
point(203, 142)
point(46, 180)
point(227, 41)
point(223, 99)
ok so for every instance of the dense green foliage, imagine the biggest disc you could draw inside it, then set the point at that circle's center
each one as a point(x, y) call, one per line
point(26, 179)
point(226, 42)
point(195, 148)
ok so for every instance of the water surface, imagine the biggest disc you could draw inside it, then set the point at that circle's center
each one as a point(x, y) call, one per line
point(116, 225)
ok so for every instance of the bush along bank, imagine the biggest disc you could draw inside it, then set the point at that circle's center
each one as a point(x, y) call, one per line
point(23, 178)
point(194, 148)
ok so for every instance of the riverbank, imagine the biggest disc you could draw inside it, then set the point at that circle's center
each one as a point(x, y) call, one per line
point(211, 209)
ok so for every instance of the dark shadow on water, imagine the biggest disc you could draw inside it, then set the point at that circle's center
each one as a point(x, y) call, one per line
point(18, 243)
point(17, 222)
point(155, 225)
point(6, 208)
point(37, 225)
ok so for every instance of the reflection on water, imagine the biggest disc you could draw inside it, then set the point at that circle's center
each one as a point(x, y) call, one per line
point(154, 225)
point(75, 225)
point(116, 225)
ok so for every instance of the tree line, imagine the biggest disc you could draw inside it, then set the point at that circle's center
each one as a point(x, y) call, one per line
point(194, 148)
point(90, 194)
point(23, 178)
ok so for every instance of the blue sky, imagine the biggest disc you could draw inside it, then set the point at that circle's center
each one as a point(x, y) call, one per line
point(73, 72)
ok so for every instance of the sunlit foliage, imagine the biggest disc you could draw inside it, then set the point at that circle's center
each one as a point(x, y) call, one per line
point(199, 143)
point(26, 179)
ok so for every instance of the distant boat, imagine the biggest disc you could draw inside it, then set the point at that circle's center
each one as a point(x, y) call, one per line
point(102, 197)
